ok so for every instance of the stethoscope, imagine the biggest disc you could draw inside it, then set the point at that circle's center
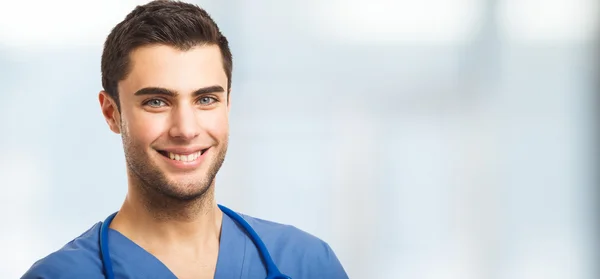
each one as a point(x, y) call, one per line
point(272, 270)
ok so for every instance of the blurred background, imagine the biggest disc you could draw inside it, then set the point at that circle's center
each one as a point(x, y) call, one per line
point(420, 139)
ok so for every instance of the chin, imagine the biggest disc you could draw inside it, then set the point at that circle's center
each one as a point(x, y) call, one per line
point(185, 190)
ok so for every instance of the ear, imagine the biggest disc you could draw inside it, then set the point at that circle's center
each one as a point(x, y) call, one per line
point(110, 111)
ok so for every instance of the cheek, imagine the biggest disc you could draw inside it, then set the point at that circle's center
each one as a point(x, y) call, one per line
point(216, 124)
point(146, 128)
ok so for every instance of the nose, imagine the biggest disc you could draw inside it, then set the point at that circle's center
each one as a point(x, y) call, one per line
point(185, 124)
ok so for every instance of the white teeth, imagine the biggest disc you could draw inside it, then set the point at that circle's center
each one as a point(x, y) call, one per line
point(185, 158)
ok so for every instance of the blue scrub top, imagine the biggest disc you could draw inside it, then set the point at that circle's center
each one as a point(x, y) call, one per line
point(295, 252)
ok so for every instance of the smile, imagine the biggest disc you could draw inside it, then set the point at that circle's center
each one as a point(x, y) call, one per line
point(182, 157)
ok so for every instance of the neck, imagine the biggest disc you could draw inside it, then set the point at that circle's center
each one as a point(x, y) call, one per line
point(159, 223)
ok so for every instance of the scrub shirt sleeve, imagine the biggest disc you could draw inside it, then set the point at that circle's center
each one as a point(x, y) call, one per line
point(327, 265)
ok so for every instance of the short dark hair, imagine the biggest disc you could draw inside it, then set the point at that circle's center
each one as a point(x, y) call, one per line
point(160, 22)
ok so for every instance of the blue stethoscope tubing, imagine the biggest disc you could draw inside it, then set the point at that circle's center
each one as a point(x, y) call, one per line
point(272, 270)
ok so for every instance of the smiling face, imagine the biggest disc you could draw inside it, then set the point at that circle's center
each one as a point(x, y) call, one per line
point(174, 118)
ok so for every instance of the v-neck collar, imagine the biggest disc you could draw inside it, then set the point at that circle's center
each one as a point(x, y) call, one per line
point(130, 258)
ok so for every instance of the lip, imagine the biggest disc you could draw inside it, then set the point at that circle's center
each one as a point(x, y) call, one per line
point(180, 165)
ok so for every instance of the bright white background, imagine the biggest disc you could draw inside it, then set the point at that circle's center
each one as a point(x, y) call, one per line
point(421, 139)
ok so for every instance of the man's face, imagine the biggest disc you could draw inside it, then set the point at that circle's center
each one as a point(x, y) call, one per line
point(174, 118)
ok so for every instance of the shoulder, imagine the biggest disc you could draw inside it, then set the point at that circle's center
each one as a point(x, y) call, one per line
point(291, 246)
point(77, 259)
point(282, 233)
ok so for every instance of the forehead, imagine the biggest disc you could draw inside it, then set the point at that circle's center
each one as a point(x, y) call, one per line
point(174, 69)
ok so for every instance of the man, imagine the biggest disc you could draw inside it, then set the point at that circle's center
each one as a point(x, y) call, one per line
point(166, 75)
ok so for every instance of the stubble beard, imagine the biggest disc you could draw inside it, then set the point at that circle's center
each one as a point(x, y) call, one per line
point(168, 199)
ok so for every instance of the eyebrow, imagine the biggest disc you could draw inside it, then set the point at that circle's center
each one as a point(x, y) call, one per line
point(173, 93)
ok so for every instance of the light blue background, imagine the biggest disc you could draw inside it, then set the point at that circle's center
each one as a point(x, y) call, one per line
point(421, 139)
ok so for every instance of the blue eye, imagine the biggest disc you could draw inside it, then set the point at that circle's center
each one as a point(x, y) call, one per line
point(155, 103)
point(206, 100)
